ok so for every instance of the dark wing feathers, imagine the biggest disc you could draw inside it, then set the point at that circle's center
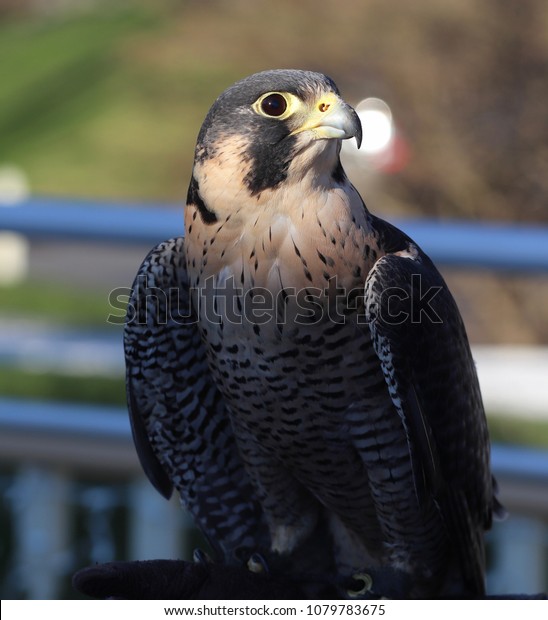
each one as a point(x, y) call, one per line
point(431, 477)
point(180, 426)
point(150, 464)
point(421, 342)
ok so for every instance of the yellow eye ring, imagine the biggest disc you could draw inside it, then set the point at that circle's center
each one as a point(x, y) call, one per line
point(276, 105)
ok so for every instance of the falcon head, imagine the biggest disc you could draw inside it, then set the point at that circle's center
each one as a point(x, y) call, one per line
point(270, 129)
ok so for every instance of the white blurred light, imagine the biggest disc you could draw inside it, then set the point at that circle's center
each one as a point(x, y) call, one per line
point(378, 129)
point(377, 126)
point(14, 248)
point(14, 258)
point(14, 186)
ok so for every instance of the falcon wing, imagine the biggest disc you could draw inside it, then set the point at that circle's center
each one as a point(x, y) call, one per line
point(420, 340)
point(180, 426)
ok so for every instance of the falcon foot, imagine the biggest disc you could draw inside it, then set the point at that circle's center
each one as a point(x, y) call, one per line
point(378, 583)
point(364, 584)
point(201, 557)
point(257, 564)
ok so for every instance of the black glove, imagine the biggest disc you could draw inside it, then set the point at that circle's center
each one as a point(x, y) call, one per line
point(178, 580)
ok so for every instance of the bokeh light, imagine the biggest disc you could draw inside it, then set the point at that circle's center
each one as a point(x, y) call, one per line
point(378, 128)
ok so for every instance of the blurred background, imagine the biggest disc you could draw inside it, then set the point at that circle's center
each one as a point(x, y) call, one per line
point(100, 105)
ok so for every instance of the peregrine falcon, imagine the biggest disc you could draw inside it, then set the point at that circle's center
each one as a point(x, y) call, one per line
point(298, 369)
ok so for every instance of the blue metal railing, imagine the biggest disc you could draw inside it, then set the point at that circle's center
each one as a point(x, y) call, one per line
point(100, 422)
point(61, 218)
point(512, 247)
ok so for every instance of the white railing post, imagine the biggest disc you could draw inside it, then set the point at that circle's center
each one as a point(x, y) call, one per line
point(154, 528)
point(519, 545)
point(40, 504)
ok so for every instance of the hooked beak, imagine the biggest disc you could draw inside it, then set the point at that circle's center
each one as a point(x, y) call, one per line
point(330, 118)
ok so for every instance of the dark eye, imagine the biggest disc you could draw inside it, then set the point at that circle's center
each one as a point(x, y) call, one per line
point(274, 105)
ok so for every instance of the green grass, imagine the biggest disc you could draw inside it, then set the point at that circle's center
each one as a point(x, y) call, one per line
point(62, 69)
point(518, 430)
point(68, 73)
point(59, 306)
point(15, 383)
point(56, 304)
point(87, 107)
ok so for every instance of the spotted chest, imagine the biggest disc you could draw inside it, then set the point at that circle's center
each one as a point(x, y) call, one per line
point(281, 317)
